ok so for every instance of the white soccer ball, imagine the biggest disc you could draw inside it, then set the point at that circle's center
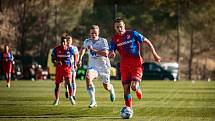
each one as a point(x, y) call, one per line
point(126, 112)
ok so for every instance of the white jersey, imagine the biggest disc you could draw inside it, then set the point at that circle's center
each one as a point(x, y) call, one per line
point(75, 53)
point(97, 61)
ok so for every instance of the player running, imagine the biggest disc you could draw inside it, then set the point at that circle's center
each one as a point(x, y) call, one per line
point(99, 64)
point(127, 43)
point(76, 53)
point(61, 57)
point(7, 59)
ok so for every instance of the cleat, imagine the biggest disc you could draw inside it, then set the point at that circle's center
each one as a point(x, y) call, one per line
point(8, 85)
point(112, 95)
point(56, 102)
point(66, 94)
point(74, 97)
point(93, 105)
point(139, 94)
point(72, 100)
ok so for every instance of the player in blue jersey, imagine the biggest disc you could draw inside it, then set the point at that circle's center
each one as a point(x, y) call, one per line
point(61, 57)
point(127, 43)
point(99, 64)
point(7, 59)
point(76, 53)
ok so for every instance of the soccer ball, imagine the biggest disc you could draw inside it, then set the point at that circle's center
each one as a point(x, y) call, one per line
point(126, 112)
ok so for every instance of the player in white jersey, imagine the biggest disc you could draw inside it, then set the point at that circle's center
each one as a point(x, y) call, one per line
point(99, 64)
point(76, 53)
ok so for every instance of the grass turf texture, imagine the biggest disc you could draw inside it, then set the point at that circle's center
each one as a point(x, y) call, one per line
point(162, 101)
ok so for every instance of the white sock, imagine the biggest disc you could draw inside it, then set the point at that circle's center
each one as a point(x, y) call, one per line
point(73, 89)
point(91, 92)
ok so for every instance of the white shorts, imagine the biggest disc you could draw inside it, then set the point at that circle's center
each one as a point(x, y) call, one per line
point(104, 74)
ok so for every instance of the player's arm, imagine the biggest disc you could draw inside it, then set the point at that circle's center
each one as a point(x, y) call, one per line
point(81, 53)
point(99, 52)
point(54, 58)
point(112, 49)
point(156, 56)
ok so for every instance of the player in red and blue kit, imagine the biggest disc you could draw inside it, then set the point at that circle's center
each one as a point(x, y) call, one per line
point(7, 59)
point(61, 57)
point(127, 43)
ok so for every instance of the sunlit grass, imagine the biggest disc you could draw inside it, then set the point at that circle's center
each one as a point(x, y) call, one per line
point(162, 101)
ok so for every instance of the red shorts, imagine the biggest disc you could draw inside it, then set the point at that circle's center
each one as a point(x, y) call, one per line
point(62, 73)
point(131, 73)
point(7, 67)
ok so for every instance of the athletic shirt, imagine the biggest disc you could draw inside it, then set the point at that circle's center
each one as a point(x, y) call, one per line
point(7, 57)
point(75, 53)
point(128, 46)
point(97, 60)
point(63, 55)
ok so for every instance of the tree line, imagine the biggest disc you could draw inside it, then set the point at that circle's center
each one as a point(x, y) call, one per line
point(181, 30)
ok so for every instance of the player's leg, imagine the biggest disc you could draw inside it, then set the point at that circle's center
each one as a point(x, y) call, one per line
point(90, 75)
point(66, 89)
point(126, 83)
point(74, 84)
point(105, 75)
point(57, 93)
point(69, 84)
point(136, 79)
point(8, 77)
point(68, 80)
point(58, 80)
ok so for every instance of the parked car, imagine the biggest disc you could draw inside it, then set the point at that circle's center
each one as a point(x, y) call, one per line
point(153, 71)
point(173, 67)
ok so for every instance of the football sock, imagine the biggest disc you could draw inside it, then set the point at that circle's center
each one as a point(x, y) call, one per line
point(112, 93)
point(139, 93)
point(74, 89)
point(57, 93)
point(128, 100)
point(70, 89)
point(91, 92)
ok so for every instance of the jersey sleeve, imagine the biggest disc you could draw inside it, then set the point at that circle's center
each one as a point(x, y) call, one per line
point(105, 45)
point(139, 37)
point(85, 44)
point(54, 54)
point(112, 46)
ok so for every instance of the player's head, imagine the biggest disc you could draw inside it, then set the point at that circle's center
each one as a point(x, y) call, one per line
point(6, 48)
point(94, 32)
point(119, 26)
point(63, 41)
point(69, 40)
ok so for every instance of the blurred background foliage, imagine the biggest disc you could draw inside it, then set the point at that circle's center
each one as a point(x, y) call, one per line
point(181, 30)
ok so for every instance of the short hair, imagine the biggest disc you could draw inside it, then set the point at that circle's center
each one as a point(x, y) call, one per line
point(62, 39)
point(94, 27)
point(118, 20)
point(68, 37)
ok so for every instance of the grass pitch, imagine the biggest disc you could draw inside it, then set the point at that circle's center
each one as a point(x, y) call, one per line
point(162, 101)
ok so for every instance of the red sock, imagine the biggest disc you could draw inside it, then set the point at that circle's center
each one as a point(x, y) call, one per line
point(128, 100)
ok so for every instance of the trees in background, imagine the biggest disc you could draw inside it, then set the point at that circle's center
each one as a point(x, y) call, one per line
point(26, 22)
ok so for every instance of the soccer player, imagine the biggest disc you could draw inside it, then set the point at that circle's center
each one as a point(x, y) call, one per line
point(61, 57)
point(76, 53)
point(99, 64)
point(7, 59)
point(127, 43)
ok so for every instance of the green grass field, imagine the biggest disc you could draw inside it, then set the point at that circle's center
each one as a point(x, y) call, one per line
point(162, 101)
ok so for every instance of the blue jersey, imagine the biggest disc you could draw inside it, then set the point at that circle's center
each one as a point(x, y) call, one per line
point(63, 55)
point(128, 45)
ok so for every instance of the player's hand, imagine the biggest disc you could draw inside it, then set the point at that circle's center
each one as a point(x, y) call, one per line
point(90, 47)
point(157, 58)
point(111, 54)
point(75, 67)
point(79, 64)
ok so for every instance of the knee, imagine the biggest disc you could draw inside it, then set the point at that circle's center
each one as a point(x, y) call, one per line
point(134, 87)
point(107, 86)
